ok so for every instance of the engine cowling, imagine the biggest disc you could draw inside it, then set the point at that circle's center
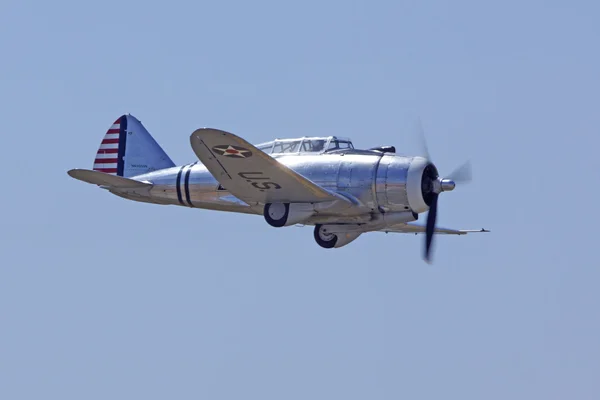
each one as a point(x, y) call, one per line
point(403, 184)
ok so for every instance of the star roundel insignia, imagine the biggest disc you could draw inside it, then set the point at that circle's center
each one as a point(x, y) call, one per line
point(232, 151)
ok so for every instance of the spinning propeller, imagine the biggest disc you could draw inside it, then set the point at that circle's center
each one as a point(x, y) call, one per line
point(432, 185)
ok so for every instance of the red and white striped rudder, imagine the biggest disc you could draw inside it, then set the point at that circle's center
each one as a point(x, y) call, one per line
point(107, 157)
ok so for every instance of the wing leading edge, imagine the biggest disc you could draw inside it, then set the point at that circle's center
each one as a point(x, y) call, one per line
point(417, 228)
point(250, 174)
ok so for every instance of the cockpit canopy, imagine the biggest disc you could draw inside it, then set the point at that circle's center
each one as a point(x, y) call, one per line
point(305, 145)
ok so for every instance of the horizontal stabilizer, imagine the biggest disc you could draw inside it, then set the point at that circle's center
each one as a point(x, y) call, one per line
point(107, 180)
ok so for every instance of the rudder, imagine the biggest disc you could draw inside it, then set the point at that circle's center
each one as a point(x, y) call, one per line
point(128, 149)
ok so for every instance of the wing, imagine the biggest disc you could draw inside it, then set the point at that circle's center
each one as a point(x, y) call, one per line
point(415, 228)
point(250, 174)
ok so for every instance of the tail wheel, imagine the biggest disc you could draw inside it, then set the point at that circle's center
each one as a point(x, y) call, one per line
point(324, 239)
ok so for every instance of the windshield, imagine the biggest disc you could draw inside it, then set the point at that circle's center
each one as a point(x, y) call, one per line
point(336, 144)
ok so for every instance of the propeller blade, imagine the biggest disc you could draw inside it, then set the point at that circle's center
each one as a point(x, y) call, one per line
point(424, 150)
point(430, 228)
point(462, 174)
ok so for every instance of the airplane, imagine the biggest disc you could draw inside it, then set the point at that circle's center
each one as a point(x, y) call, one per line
point(323, 182)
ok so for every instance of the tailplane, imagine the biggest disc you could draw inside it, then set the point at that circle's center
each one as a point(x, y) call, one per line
point(128, 149)
point(107, 181)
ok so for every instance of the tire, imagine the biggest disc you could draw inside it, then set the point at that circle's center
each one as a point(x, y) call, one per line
point(276, 214)
point(327, 241)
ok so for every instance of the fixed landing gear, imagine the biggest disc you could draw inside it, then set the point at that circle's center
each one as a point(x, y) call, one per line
point(276, 214)
point(286, 214)
point(324, 239)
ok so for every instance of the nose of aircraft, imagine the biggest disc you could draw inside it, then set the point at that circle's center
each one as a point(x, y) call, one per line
point(447, 185)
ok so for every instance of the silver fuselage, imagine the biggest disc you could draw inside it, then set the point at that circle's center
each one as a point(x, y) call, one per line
point(376, 182)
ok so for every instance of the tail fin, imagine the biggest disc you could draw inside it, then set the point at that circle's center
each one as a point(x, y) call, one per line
point(128, 149)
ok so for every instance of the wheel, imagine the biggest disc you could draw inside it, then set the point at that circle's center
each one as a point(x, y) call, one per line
point(324, 239)
point(276, 214)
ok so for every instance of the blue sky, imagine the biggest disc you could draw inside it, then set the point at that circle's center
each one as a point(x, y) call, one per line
point(106, 298)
